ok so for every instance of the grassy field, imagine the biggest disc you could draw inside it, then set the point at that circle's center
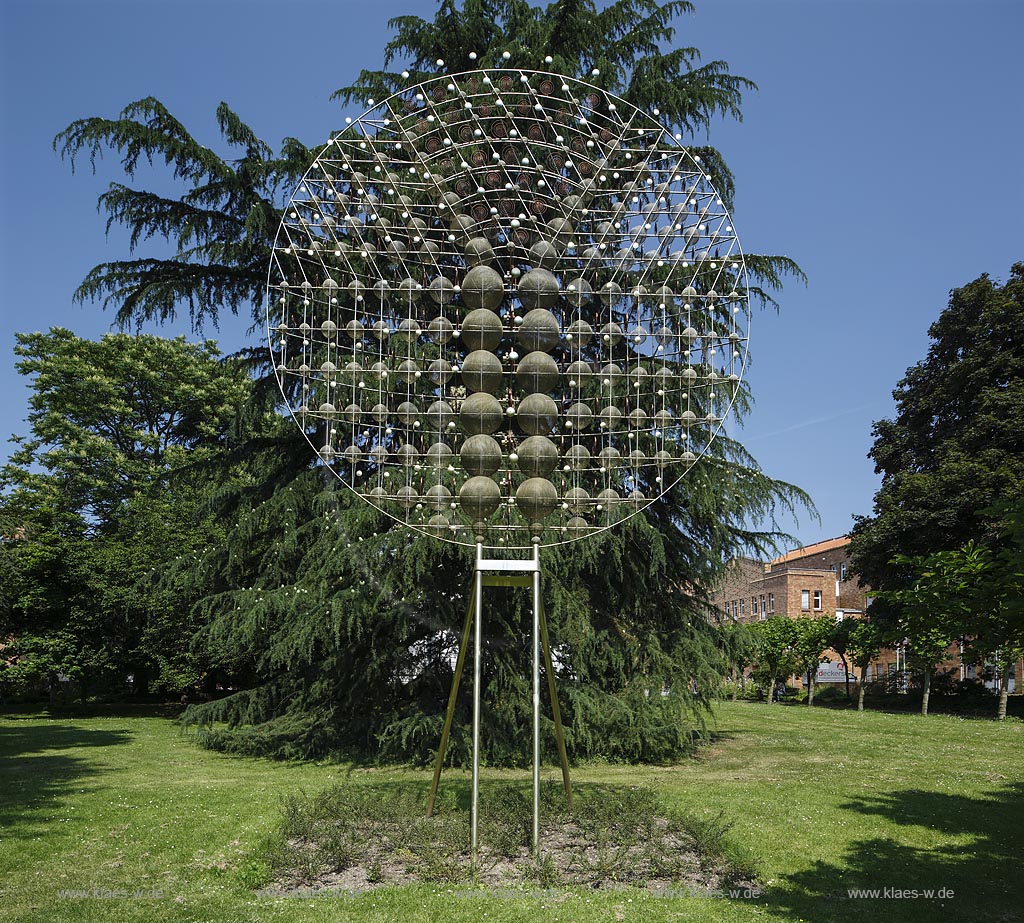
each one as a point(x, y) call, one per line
point(124, 818)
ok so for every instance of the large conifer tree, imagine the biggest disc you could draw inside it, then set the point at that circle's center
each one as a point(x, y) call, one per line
point(338, 628)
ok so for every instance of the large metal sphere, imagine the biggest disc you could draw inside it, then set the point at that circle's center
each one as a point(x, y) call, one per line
point(481, 454)
point(482, 371)
point(537, 415)
point(480, 413)
point(537, 456)
point(538, 289)
point(481, 329)
point(482, 288)
point(537, 499)
point(479, 498)
point(537, 371)
point(539, 331)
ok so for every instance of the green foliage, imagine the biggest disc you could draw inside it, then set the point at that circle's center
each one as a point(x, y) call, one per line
point(104, 491)
point(865, 639)
point(973, 594)
point(342, 628)
point(776, 637)
point(811, 637)
point(956, 446)
point(612, 835)
point(630, 54)
point(931, 611)
point(996, 617)
point(222, 225)
point(952, 466)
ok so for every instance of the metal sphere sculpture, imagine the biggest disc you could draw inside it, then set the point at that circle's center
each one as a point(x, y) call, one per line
point(508, 308)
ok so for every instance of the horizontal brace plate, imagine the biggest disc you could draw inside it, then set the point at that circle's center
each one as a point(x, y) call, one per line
point(497, 564)
point(510, 580)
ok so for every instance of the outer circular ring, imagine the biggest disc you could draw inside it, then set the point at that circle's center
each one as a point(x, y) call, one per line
point(506, 210)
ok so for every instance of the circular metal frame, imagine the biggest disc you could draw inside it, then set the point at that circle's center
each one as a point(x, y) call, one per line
point(508, 308)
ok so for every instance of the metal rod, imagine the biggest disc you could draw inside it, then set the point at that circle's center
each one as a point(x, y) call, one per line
point(556, 711)
point(452, 696)
point(477, 636)
point(536, 704)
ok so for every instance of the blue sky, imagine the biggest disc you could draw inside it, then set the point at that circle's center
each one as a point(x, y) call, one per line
point(883, 152)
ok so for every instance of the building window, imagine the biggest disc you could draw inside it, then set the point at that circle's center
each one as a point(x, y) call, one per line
point(742, 603)
point(771, 602)
point(868, 600)
point(753, 605)
point(817, 600)
point(763, 610)
point(842, 572)
point(805, 600)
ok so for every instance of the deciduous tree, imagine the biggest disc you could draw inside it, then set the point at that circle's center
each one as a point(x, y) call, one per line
point(864, 641)
point(775, 658)
point(811, 639)
point(956, 444)
point(106, 488)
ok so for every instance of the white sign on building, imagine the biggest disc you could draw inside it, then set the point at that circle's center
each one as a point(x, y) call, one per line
point(829, 672)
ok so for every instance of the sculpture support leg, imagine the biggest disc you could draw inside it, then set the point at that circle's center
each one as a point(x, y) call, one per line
point(556, 711)
point(460, 662)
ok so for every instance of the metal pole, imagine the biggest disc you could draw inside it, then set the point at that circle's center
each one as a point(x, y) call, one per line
point(536, 702)
point(477, 635)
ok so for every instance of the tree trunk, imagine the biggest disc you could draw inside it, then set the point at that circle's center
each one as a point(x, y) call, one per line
point(926, 689)
point(860, 693)
point(810, 688)
point(140, 685)
point(771, 689)
point(846, 675)
point(1004, 690)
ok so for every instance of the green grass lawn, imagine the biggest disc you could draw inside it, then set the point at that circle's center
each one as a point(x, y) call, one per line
point(129, 810)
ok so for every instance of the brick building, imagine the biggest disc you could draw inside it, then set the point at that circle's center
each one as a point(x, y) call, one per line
point(813, 581)
point(810, 581)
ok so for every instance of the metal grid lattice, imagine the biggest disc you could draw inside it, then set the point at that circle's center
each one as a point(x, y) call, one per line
point(507, 307)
